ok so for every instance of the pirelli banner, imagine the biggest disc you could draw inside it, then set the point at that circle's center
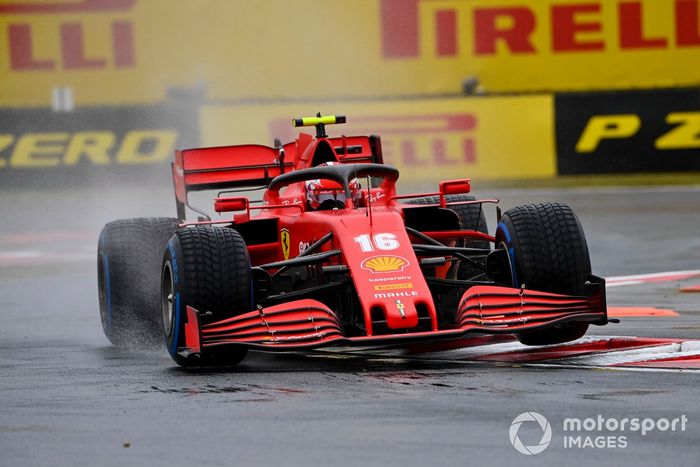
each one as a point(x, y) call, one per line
point(117, 52)
point(93, 144)
point(628, 132)
point(544, 45)
point(426, 139)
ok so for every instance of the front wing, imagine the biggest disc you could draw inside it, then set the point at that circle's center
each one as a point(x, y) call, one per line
point(308, 324)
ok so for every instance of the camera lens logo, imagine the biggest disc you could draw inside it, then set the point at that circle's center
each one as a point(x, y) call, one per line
point(546, 433)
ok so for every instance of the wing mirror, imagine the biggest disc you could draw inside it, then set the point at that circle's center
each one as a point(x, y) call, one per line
point(454, 187)
point(231, 204)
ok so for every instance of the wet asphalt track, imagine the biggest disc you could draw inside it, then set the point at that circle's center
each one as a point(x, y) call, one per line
point(69, 398)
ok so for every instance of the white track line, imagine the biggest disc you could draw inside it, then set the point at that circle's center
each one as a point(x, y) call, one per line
point(617, 281)
point(644, 354)
point(33, 257)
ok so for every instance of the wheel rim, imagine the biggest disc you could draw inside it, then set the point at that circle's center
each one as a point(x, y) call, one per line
point(167, 298)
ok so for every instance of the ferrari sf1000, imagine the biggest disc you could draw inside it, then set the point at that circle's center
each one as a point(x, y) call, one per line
point(332, 255)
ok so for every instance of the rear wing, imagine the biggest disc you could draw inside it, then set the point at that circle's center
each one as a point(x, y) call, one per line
point(252, 165)
point(224, 167)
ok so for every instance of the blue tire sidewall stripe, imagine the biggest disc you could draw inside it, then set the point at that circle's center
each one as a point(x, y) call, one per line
point(177, 319)
point(176, 327)
point(511, 253)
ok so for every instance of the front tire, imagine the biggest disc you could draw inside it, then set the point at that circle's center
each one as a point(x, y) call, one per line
point(207, 268)
point(547, 251)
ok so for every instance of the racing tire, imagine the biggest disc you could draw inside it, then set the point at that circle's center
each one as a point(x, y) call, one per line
point(129, 255)
point(547, 251)
point(472, 217)
point(207, 268)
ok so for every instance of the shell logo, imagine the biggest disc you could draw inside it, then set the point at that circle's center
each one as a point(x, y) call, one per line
point(384, 263)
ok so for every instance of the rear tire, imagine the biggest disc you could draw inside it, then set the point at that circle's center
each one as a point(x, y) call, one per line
point(129, 255)
point(471, 217)
point(207, 268)
point(547, 251)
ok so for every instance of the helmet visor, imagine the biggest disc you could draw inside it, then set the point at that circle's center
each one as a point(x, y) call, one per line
point(322, 196)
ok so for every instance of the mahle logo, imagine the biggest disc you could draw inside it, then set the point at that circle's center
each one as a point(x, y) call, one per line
point(526, 417)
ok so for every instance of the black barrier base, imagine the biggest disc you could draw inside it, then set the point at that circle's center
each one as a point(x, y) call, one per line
point(628, 131)
point(94, 145)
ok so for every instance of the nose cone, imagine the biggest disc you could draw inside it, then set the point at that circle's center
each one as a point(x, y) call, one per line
point(386, 272)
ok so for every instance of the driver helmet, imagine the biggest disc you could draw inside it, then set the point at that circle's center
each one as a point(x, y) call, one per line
point(327, 194)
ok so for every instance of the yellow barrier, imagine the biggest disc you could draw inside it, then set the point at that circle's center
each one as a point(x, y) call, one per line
point(427, 139)
point(133, 51)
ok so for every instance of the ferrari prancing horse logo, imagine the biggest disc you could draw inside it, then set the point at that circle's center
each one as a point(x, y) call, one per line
point(284, 239)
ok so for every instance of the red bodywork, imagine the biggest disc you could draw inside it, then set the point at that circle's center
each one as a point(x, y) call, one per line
point(372, 247)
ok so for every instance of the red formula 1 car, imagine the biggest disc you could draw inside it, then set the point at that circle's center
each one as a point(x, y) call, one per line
point(332, 255)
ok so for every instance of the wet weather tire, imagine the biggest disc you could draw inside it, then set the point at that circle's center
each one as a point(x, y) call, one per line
point(547, 251)
point(471, 217)
point(207, 268)
point(129, 255)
